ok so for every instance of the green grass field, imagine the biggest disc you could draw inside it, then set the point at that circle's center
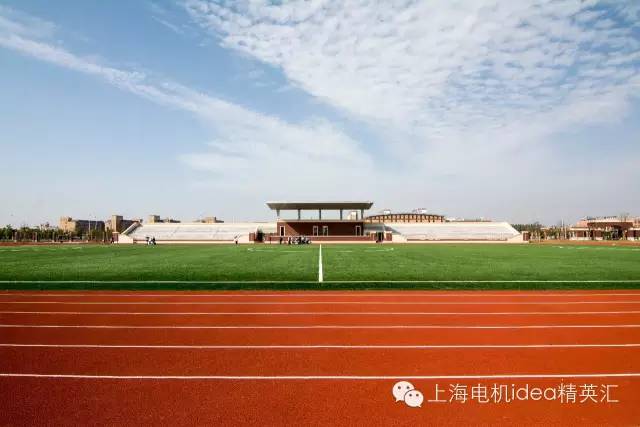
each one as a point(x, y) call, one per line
point(296, 267)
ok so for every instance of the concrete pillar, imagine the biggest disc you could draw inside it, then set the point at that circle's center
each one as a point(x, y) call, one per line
point(319, 213)
point(340, 214)
point(278, 213)
point(361, 214)
point(299, 217)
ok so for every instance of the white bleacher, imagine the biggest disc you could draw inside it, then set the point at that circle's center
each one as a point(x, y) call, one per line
point(198, 232)
point(453, 231)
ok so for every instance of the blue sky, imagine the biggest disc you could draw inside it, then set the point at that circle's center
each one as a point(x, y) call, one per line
point(516, 111)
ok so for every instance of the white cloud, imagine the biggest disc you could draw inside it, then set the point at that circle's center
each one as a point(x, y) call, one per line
point(19, 23)
point(438, 69)
point(468, 97)
point(246, 145)
point(163, 17)
point(464, 98)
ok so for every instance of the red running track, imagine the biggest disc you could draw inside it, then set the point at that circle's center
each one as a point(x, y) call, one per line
point(310, 358)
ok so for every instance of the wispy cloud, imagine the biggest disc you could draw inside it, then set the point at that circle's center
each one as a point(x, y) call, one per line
point(16, 22)
point(243, 141)
point(163, 17)
point(468, 97)
point(442, 69)
point(465, 99)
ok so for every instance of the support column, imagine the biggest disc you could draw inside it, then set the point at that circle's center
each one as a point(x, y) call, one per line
point(340, 214)
point(361, 214)
point(278, 213)
point(299, 217)
point(319, 213)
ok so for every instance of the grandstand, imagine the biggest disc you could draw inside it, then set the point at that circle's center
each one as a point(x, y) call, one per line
point(395, 228)
point(453, 232)
point(194, 232)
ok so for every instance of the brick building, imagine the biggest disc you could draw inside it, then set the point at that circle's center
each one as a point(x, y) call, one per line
point(342, 229)
point(79, 226)
point(606, 228)
point(118, 224)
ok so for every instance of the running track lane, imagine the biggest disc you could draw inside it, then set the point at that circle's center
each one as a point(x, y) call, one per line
point(312, 361)
point(301, 296)
point(317, 401)
point(324, 305)
point(317, 336)
point(320, 318)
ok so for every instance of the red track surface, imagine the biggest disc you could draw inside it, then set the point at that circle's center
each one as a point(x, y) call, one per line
point(204, 339)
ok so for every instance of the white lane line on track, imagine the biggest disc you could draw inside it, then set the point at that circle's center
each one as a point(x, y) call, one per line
point(319, 302)
point(352, 294)
point(322, 313)
point(322, 377)
point(323, 326)
point(324, 346)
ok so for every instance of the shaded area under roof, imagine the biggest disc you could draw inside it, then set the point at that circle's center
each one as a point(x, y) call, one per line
point(318, 205)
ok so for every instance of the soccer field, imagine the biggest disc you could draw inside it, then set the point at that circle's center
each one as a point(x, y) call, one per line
point(343, 266)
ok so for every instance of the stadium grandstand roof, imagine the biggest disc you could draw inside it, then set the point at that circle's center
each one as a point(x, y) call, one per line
point(319, 205)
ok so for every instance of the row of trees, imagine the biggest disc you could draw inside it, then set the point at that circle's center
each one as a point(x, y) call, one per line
point(538, 231)
point(533, 227)
point(30, 234)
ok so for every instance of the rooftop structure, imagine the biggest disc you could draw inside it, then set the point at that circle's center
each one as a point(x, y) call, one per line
point(320, 206)
point(405, 217)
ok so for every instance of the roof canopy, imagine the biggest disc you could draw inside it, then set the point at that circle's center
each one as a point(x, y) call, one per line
point(318, 205)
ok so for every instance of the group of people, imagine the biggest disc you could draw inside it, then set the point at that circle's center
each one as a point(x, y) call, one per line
point(151, 241)
point(295, 240)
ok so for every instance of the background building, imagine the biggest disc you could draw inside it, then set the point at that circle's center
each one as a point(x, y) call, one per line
point(620, 227)
point(79, 226)
point(118, 224)
point(155, 219)
point(209, 220)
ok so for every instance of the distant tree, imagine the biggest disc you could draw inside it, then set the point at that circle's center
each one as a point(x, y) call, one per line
point(6, 232)
point(533, 227)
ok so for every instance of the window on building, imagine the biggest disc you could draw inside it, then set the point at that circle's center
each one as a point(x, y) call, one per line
point(325, 230)
point(315, 230)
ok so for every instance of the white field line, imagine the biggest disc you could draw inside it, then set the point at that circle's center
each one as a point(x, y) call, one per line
point(324, 346)
point(323, 313)
point(616, 326)
point(322, 377)
point(319, 302)
point(213, 282)
point(348, 294)
point(320, 275)
point(488, 281)
point(177, 282)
